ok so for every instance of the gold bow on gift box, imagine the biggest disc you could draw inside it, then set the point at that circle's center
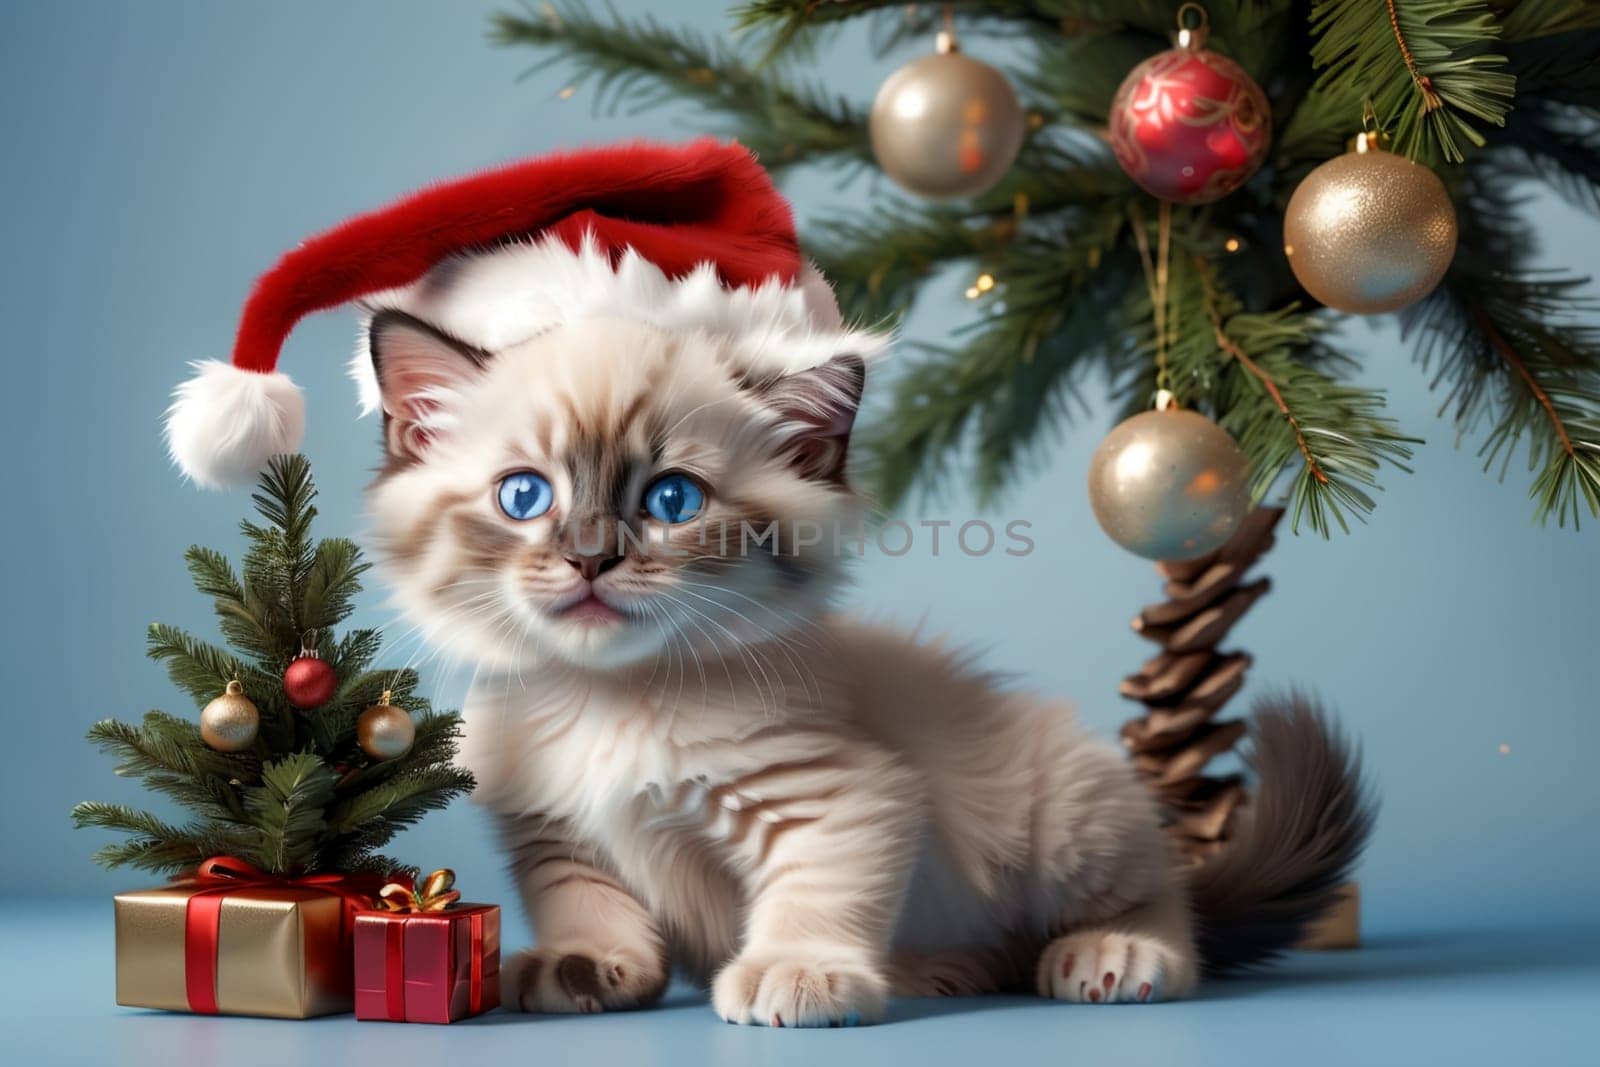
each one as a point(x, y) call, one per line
point(435, 893)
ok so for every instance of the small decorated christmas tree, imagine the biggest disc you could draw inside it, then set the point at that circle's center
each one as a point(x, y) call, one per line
point(306, 757)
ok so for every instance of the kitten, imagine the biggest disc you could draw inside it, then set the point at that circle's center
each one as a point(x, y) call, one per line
point(694, 763)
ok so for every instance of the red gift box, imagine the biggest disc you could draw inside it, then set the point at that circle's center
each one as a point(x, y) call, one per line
point(427, 966)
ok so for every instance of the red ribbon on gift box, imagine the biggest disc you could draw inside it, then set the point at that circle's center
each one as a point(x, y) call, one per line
point(394, 963)
point(202, 920)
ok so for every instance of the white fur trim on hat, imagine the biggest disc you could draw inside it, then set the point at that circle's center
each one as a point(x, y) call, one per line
point(493, 300)
point(225, 423)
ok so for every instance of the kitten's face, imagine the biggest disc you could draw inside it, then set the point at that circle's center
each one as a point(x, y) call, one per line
point(585, 496)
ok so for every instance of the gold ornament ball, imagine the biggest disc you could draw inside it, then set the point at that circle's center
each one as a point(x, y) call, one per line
point(231, 722)
point(946, 126)
point(1369, 232)
point(385, 731)
point(1169, 484)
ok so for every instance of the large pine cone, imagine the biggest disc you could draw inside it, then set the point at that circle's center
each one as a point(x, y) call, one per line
point(1185, 685)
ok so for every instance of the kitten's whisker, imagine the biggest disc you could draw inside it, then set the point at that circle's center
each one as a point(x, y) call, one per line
point(760, 662)
point(782, 645)
point(716, 645)
point(799, 621)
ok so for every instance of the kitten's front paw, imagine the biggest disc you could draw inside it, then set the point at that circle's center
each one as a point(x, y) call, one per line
point(559, 980)
point(800, 989)
point(1108, 966)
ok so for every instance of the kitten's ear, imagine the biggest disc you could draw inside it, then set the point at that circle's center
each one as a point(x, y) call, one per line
point(417, 366)
point(818, 408)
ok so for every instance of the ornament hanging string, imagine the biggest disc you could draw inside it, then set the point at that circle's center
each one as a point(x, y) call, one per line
point(1157, 272)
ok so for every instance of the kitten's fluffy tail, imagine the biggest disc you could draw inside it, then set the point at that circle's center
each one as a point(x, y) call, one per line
point(1297, 841)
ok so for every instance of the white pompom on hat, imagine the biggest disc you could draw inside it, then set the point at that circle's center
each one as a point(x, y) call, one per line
point(690, 237)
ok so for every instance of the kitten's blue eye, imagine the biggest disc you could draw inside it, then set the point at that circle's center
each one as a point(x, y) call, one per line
point(674, 499)
point(525, 495)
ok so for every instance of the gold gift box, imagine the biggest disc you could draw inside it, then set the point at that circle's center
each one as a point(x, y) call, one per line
point(281, 951)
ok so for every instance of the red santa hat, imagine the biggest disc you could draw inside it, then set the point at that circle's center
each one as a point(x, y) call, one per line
point(688, 237)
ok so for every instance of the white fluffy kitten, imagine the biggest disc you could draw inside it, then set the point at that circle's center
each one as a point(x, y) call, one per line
point(695, 764)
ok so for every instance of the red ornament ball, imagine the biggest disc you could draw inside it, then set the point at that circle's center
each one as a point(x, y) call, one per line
point(1189, 125)
point(309, 682)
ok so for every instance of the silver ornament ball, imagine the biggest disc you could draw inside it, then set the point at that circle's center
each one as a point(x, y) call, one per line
point(1369, 231)
point(1169, 484)
point(946, 126)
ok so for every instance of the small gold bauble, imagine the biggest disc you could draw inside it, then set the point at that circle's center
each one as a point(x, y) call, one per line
point(231, 722)
point(384, 731)
point(1369, 231)
point(946, 125)
point(1169, 484)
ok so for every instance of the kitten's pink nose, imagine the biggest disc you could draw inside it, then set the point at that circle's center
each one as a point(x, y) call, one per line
point(592, 567)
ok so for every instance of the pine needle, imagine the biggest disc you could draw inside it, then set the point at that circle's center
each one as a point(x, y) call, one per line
point(1517, 353)
point(1431, 68)
point(638, 64)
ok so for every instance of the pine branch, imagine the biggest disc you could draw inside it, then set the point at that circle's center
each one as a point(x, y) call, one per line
point(281, 555)
point(1079, 75)
point(355, 861)
point(1284, 413)
point(284, 498)
point(1432, 69)
point(1527, 19)
point(1020, 418)
point(100, 816)
point(168, 756)
point(202, 670)
point(213, 574)
point(1556, 135)
point(893, 27)
point(239, 612)
point(399, 802)
point(163, 744)
point(1556, 144)
point(875, 260)
point(955, 396)
point(331, 582)
point(1517, 351)
point(167, 855)
point(784, 24)
point(155, 845)
point(351, 656)
point(288, 809)
point(783, 21)
point(640, 64)
point(1558, 69)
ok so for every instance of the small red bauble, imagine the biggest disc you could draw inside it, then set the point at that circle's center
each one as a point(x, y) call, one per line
point(1188, 125)
point(309, 682)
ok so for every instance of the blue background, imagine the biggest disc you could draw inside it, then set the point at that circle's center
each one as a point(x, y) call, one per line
point(160, 156)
